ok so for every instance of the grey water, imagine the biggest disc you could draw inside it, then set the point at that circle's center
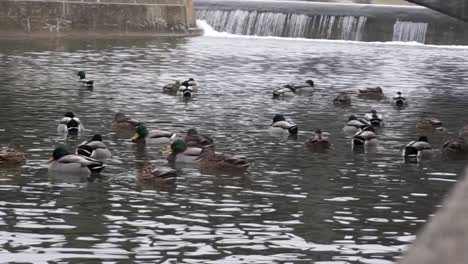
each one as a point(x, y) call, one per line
point(293, 206)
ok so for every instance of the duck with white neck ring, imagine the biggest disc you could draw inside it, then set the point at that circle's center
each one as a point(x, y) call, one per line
point(83, 81)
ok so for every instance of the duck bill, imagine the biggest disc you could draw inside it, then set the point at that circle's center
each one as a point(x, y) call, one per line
point(167, 150)
point(50, 160)
point(135, 137)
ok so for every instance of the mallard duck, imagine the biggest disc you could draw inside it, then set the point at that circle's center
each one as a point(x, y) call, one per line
point(152, 137)
point(70, 124)
point(64, 162)
point(180, 152)
point(83, 81)
point(354, 124)
point(417, 148)
point(372, 93)
point(280, 126)
point(11, 155)
point(209, 160)
point(366, 136)
point(399, 100)
point(195, 139)
point(429, 123)
point(319, 140)
point(185, 91)
point(189, 82)
point(374, 118)
point(172, 88)
point(342, 100)
point(158, 175)
point(289, 89)
point(456, 146)
point(121, 121)
point(94, 148)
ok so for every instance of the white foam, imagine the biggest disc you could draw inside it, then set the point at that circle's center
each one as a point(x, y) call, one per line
point(209, 31)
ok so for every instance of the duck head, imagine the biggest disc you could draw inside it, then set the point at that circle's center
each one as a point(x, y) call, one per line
point(178, 146)
point(96, 137)
point(352, 117)
point(423, 138)
point(81, 74)
point(278, 118)
point(192, 132)
point(59, 153)
point(69, 114)
point(141, 132)
point(310, 82)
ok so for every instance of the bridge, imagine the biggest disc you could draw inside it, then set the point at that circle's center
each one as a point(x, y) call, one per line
point(453, 8)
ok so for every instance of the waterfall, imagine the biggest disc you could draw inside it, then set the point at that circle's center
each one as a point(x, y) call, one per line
point(285, 24)
point(409, 31)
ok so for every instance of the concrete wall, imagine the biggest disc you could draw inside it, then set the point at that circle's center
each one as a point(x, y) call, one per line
point(96, 16)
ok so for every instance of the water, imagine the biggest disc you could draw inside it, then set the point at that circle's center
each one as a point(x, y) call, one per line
point(294, 206)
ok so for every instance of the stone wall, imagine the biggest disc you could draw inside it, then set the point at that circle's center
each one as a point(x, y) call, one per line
point(97, 16)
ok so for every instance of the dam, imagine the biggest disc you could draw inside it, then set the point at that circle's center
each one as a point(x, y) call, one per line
point(357, 22)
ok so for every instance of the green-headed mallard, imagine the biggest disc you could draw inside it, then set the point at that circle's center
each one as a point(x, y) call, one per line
point(64, 162)
point(180, 152)
point(83, 81)
point(372, 93)
point(195, 139)
point(417, 148)
point(399, 100)
point(11, 155)
point(95, 149)
point(189, 82)
point(152, 137)
point(281, 126)
point(121, 121)
point(209, 160)
point(342, 99)
point(319, 140)
point(374, 118)
point(365, 137)
point(70, 124)
point(289, 89)
point(159, 175)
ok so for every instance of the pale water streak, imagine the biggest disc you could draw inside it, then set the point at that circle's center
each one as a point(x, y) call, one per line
point(294, 206)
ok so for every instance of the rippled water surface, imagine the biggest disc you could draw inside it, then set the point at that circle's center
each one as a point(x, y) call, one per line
point(294, 205)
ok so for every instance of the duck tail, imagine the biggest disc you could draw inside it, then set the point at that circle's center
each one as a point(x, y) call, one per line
point(359, 141)
point(84, 150)
point(90, 83)
point(376, 122)
point(399, 102)
point(293, 130)
point(410, 152)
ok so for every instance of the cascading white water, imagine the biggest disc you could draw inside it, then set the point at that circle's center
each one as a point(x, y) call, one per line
point(409, 31)
point(284, 25)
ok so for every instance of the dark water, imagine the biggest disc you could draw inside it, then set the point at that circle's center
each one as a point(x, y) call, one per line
point(294, 206)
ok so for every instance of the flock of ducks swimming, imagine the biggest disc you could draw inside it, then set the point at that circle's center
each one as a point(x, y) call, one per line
point(90, 156)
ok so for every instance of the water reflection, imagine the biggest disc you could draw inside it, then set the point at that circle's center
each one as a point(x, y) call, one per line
point(294, 205)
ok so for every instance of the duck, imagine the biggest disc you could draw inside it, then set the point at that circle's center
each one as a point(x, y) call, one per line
point(143, 135)
point(180, 152)
point(64, 162)
point(11, 155)
point(280, 125)
point(374, 118)
point(456, 146)
point(185, 91)
point(189, 82)
point(319, 140)
point(94, 148)
point(372, 93)
point(173, 87)
point(366, 136)
point(289, 89)
point(195, 139)
point(354, 124)
point(121, 121)
point(342, 100)
point(417, 148)
point(157, 175)
point(209, 160)
point(399, 100)
point(70, 124)
point(83, 81)
point(429, 123)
